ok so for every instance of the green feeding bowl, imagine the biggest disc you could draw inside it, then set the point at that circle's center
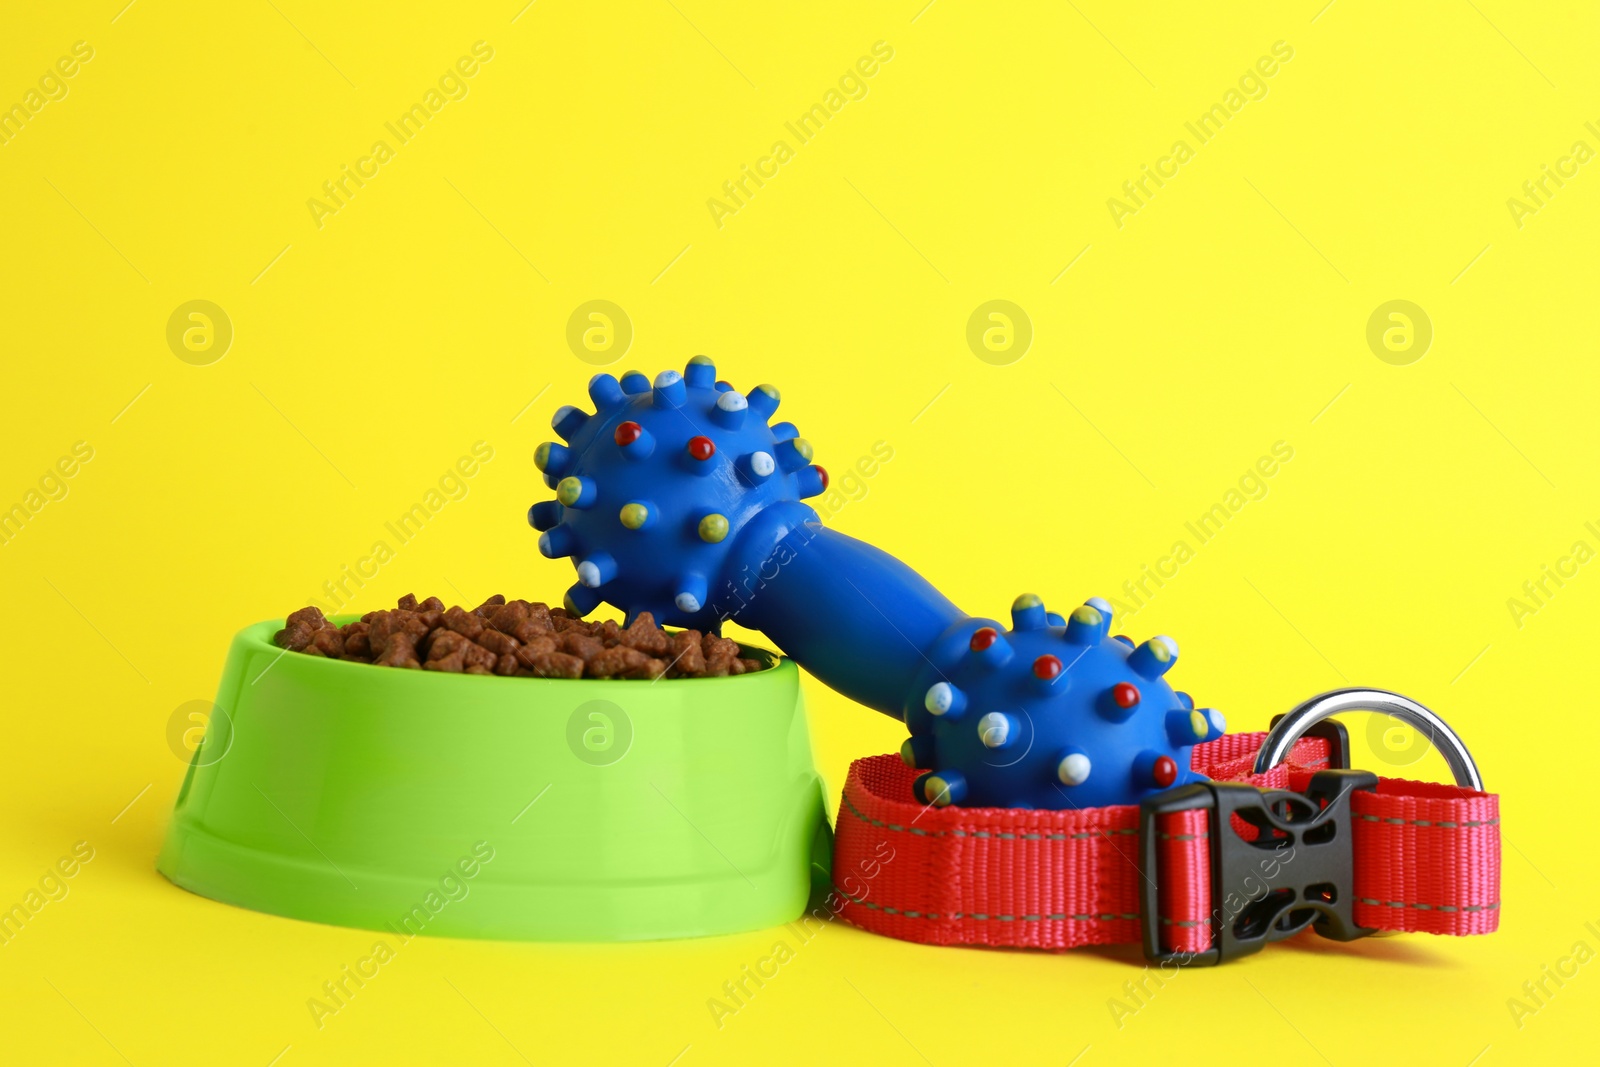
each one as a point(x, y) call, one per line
point(517, 808)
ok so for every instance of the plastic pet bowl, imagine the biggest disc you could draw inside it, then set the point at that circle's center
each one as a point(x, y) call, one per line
point(516, 808)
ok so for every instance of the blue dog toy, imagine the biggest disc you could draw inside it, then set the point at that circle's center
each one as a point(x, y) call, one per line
point(680, 498)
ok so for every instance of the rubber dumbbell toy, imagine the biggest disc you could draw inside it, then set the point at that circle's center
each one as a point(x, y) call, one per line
point(682, 498)
point(1053, 713)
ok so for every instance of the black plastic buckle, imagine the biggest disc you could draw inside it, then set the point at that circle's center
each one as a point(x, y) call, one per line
point(1298, 872)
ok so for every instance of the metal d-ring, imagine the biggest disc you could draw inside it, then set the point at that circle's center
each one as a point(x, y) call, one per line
point(1291, 727)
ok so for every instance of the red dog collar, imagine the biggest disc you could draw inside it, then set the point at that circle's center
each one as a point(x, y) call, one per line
point(1416, 856)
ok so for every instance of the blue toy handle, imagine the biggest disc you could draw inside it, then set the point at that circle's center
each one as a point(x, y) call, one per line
point(856, 617)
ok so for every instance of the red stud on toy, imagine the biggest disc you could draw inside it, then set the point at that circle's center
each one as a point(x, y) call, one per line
point(982, 638)
point(1165, 772)
point(626, 433)
point(1125, 694)
point(1046, 667)
point(701, 448)
point(822, 472)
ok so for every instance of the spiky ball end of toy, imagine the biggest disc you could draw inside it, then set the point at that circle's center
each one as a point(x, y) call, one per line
point(1053, 713)
point(653, 489)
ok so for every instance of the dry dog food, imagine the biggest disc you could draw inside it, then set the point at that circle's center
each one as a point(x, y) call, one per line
point(515, 637)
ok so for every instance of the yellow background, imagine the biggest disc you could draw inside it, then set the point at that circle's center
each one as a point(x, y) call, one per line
point(430, 312)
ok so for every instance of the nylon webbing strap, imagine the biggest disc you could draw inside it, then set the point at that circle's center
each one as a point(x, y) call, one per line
point(1427, 858)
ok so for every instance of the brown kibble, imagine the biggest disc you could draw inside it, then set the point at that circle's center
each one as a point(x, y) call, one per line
point(295, 638)
point(385, 623)
point(541, 643)
point(528, 631)
point(647, 637)
point(712, 644)
point(685, 653)
point(477, 655)
point(557, 665)
point(380, 624)
point(507, 618)
point(513, 638)
point(463, 623)
point(401, 651)
point(651, 669)
point(528, 655)
point(310, 615)
point(444, 643)
point(454, 663)
point(582, 645)
point(618, 659)
point(721, 654)
point(497, 642)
